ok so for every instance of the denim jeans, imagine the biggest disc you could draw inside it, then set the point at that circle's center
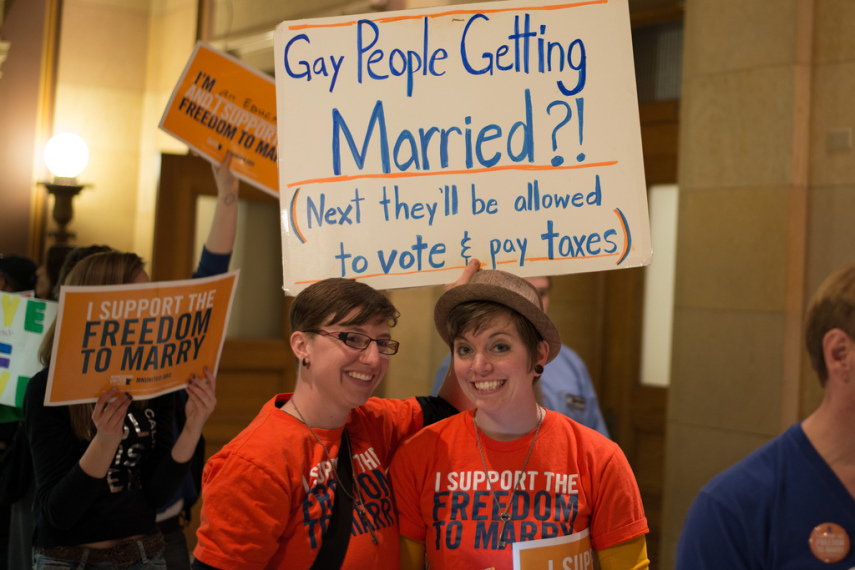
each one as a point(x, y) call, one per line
point(46, 563)
point(175, 550)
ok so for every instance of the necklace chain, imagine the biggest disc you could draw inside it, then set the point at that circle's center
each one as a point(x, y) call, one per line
point(505, 514)
point(357, 496)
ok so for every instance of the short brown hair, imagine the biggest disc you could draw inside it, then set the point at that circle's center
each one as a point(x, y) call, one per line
point(831, 307)
point(331, 300)
point(475, 315)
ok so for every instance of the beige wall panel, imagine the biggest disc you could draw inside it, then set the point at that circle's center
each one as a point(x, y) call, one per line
point(833, 109)
point(834, 31)
point(731, 249)
point(725, 364)
point(578, 288)
point(109, 120)
point(411, 371)
point(104, 44)
point(171, 40)
point(113, 228)
point(832, 240)
point(172, 37)
point(116, 174)
point(238, 17)
point(735, 35)
point(574, 310)
point(577, 326)
point(106, 118)
point(692, 454)
point(737, 129)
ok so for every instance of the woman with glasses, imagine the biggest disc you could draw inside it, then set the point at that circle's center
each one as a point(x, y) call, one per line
point(304, 485)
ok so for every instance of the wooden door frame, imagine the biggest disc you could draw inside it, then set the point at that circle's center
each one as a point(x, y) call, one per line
point(636, 413)
point(183, 178)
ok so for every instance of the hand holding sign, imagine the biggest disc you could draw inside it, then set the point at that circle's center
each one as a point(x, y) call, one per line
point(201, 400)
point(227, 182)
point(471, 269)
point(108, 416)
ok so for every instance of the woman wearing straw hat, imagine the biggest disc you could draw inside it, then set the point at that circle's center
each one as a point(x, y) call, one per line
point(510, 482)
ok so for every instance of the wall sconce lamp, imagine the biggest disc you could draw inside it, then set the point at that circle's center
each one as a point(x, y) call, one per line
point(66, 156)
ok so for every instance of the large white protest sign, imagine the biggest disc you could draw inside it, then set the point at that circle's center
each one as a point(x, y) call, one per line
point(410, 142)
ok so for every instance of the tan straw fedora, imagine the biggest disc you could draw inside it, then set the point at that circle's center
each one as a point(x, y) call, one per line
point(505, 289)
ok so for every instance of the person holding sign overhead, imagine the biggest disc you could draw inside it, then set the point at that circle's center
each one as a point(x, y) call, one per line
point(511, 484)
point(305, 485)
point(102, 470)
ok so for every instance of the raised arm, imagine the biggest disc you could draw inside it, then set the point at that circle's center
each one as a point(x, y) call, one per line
point(450, 390)
point(221, 237)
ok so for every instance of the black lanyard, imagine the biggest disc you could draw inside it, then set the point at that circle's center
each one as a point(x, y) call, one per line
point(335, 540)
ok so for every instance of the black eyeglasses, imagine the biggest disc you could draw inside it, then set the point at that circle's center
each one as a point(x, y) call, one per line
point(361, 341)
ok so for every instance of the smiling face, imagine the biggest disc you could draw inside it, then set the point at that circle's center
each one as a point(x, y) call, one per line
point(346, 377)
point(494, 366)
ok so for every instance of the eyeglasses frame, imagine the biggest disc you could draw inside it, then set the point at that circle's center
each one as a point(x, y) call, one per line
point(342, 336)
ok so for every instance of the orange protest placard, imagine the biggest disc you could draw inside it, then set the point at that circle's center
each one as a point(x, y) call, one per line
point(572, 551)
point(146, 339)
point(220, 104)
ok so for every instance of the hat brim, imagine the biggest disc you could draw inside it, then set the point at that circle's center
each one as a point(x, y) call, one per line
point(502, 296)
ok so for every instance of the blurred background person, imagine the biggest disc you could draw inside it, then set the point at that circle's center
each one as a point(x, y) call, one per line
point(791, 503)
point(47, 274)
point(17, 273)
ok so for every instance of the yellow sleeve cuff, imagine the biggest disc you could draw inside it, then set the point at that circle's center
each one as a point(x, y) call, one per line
point(629, 555)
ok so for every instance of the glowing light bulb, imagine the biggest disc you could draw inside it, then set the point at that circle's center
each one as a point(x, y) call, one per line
point(66, 155)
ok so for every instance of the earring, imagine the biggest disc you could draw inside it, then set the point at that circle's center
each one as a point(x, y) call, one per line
point(538, 369)
point(305, 363)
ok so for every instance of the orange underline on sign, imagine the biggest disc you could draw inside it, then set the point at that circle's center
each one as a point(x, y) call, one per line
point(540, 167)
point(448, 13)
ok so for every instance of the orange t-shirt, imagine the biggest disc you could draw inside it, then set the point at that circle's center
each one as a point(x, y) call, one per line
point(576, 479)
point(268, 494)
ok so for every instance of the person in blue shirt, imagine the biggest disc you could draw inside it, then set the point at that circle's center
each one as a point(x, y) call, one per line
point(790, 505)
point(565, 385)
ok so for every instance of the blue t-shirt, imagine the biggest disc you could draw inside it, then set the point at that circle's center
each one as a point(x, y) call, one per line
point(566, 388)
point(759, 514)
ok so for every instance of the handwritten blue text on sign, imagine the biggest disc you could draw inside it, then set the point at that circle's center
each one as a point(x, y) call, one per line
point(411, 142)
